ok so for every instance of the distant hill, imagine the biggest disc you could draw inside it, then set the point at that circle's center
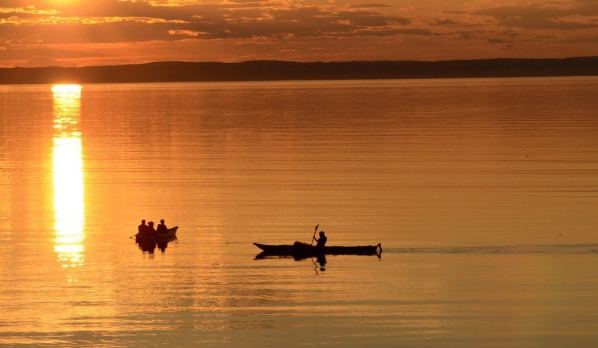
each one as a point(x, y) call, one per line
point(281, 70)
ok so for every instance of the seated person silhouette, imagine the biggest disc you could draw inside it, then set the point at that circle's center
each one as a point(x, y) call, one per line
point(162, 227)
point(320, 242)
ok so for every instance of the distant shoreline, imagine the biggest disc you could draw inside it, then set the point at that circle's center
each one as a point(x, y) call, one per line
point(293, 71)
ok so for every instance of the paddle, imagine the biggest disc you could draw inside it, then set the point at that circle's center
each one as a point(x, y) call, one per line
point(133, 236)
point(314, 237)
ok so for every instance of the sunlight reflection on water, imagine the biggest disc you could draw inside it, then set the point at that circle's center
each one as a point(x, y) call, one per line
point(68, 177)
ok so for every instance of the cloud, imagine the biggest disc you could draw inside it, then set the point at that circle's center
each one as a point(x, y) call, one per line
point(444, 21)
point(369, 5)
point(124, 21)
point(542, 15)
point(103, 21)
point(187, 33)
point(500, 41)
point(489, 23)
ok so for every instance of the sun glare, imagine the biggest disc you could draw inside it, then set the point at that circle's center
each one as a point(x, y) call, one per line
point(66, 91)
point(68, 176)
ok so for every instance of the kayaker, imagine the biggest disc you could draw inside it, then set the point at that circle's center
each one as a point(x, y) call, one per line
point(320, 242)
point(143, 228)
point(161, 227)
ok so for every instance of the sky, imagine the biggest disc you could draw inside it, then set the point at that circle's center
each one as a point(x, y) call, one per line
point(111, 32)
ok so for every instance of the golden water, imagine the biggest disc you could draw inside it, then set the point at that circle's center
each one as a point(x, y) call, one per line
point(483, 193)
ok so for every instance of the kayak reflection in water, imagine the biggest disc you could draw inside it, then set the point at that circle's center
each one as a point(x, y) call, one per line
point(322, 261)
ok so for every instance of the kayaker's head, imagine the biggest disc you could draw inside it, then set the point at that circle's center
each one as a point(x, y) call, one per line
point(162, 221)
point(321, 233)
point(151, 223)
point(143, 222)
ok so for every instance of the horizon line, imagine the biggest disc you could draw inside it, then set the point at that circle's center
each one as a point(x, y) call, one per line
point(304, 62)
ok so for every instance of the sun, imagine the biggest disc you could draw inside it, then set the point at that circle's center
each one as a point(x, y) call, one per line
point(66, 89)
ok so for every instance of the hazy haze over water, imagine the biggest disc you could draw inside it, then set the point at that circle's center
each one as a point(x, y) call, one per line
point(483, 193)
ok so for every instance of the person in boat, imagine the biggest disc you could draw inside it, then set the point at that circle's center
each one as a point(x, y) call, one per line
point(143, 228)
point(162, 227)
point(150, 228)
point(320, 242)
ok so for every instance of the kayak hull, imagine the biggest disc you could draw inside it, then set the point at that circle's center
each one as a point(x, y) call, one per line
point(307, 250)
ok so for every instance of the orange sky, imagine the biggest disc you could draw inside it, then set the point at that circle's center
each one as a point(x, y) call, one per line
point(107, 32)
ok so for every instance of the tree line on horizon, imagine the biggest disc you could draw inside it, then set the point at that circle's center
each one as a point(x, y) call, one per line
point(284, 70)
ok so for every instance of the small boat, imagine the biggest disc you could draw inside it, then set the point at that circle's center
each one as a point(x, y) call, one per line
point(165, 237)
point(299, 249)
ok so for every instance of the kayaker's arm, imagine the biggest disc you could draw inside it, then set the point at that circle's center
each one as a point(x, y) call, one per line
point(314, 236)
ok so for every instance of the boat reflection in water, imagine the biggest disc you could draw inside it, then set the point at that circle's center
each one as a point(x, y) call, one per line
point(68, 177)
point(149, 243)
point(150, 246)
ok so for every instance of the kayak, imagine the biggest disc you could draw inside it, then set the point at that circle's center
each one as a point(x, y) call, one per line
point(167, 236)
point(304, 249)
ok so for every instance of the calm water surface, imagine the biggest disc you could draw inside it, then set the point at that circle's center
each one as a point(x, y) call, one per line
point(483, 193)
